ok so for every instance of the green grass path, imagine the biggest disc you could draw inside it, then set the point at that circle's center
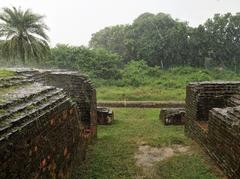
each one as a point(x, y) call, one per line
point(112, 156)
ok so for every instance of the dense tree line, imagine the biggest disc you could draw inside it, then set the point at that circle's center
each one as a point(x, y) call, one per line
point(163, 41)
point(150, 43)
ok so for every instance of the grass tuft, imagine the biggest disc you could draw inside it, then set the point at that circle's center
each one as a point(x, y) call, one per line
point(6, 73)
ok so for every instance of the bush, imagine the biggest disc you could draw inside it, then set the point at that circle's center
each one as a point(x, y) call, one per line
point(105, 65)
point(135, 73)
point(98, 63)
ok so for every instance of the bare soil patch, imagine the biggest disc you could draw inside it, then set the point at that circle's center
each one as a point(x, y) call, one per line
point(147, 156)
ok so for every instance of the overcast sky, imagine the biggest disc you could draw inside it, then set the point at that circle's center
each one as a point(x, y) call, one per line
point(73, 21)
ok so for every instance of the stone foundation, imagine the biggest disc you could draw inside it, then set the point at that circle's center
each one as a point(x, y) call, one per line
point(105, 116)
point(172, 116)
point(213, 120)
point(46, 123)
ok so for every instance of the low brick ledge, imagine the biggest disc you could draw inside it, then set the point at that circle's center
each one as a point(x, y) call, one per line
point(142, 104)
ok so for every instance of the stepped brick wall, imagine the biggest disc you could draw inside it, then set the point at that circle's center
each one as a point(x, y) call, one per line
point(81, 90)
point(47, 119)
point(213, 120)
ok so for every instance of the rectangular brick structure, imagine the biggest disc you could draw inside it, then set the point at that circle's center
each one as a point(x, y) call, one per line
point(213, 120)
point(172, 116)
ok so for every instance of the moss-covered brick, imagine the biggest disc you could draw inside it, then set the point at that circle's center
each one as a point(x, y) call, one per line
point(42, 129)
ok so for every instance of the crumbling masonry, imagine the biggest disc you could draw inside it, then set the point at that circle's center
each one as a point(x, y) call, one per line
point(47, 119)
point(213, 120)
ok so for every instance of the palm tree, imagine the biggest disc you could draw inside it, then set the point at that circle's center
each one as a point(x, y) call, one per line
point(24, 34)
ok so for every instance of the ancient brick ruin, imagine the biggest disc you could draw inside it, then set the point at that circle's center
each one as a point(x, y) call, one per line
point(105, 116)
point(47, 119)
point(172, 116)
point(213, 120)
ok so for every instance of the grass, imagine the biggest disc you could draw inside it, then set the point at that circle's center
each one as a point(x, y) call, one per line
point(4, 91)
point(2, 111)
point(6, 73)
point(113, 154)
point(193, 167)
point(163, 85)
point(143, 93)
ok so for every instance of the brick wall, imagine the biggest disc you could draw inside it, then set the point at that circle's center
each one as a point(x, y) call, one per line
point(46, 134)
point(224, 139)
point(213, 124)
point(81, 91)
point(46, 147)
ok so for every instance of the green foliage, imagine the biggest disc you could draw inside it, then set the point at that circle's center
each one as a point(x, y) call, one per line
point(224, 44)
point(157, 84)
point(6, 73)
point(112, 39)
point(98, 63)
point(105, 65)
point(135, 73)
point(163, 41)
point(183, 167)
point(112, 156)
point(158, 39)
point(24, 34)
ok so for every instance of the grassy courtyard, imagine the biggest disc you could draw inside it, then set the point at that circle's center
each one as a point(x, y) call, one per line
point(112, 156)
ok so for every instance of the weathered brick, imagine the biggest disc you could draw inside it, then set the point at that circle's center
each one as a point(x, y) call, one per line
point(44, 135)
point(213, 120)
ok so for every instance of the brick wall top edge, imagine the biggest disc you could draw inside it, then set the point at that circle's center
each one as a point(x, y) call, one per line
point(215, 83)
point(227, 112)
point(220, 110)
point(55, 72)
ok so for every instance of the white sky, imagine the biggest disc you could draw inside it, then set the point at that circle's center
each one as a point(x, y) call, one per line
point(73, 21)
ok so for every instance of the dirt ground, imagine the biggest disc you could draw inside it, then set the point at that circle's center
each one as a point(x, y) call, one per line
point(147, 156)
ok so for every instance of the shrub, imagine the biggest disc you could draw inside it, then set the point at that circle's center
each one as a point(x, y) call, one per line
point(98, 63)
point(135, 73)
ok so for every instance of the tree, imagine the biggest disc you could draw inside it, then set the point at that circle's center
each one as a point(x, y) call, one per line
point(224, 39)
point(198, 46)
point(98, 63)
point(24, 34)
point(157, 39)
point(114, 39)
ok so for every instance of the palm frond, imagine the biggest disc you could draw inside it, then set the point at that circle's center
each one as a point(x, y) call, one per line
point(24, 33)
